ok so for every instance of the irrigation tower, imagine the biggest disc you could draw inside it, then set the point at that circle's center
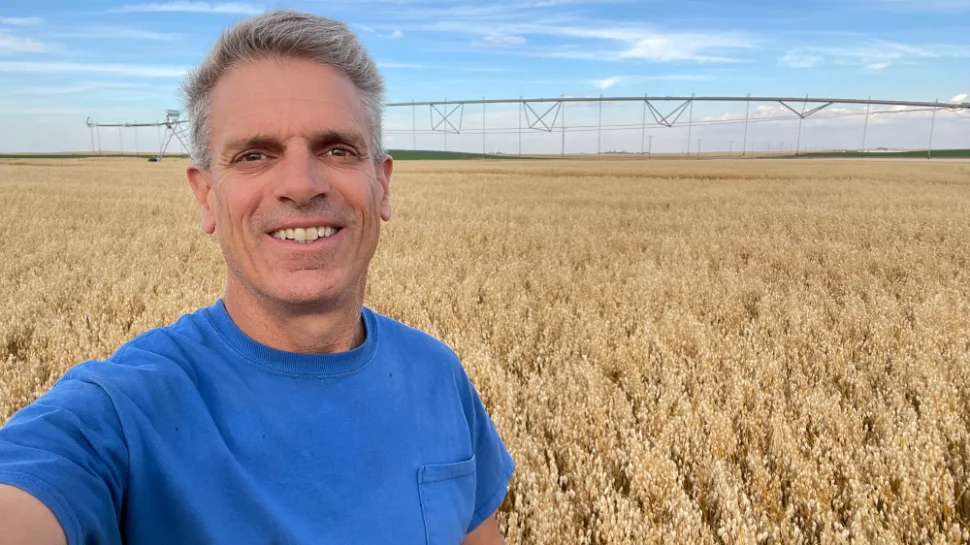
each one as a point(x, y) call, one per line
point(173, 124)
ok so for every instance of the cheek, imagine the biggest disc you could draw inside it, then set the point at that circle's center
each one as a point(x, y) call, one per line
point(240, 206)
point(374, 194)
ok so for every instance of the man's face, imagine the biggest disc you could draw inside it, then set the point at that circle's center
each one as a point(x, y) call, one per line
point(291, 160)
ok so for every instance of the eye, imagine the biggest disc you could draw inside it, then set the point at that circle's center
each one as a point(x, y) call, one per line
point(340, 152)
point(251, 156)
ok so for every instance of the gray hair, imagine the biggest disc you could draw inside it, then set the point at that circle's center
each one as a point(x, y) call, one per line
point(283, 33)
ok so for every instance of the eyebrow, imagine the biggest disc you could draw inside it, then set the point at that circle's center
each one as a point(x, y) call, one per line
point(327, 137)
point(258, 141)
point(318, 140)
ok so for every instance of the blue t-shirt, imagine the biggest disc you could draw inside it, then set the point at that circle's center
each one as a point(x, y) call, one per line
point(195, 433)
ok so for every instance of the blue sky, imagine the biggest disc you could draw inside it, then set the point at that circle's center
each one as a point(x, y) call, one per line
point(64, 61)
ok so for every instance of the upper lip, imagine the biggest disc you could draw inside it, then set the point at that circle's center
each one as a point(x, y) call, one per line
point(305, 223)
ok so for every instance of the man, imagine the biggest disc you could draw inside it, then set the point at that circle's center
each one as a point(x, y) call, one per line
point(287, 412)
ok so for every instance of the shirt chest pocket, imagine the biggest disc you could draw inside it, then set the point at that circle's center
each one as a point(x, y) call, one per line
point(447, 500)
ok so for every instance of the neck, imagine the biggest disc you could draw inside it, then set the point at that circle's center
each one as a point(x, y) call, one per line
point(315, 328)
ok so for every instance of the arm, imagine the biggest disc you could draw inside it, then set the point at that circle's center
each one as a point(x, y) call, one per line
point(26, 520)
point(487, 533)
point(494, 466)
point(63, 467)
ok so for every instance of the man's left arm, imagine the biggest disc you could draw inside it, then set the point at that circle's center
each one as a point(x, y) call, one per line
point(494, 467)
point(487, 533)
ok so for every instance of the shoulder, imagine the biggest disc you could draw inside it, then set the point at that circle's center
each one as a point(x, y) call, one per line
point(425, 357)
point(404, 339)
point(156, 358)
point(422, 355)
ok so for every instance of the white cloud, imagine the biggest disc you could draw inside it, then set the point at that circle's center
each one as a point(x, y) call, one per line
point(872, 54)
point(399, 65)
point(684, 47)
point(498, 40)
point(120, 69)
point(438, 67)
point(43, 111)
point(13, 45)
point(617, 41)
point(647, 44)
point(922, 6)
point(121, 33)
point(799, 59)
point(193, 7)
point(606, 83)
point(474, 69)
point(21, 21)
point(628, 80)
point(653, 46)
point(81, 87)
point(396, 34)
point(959, 97)
point(680, 77)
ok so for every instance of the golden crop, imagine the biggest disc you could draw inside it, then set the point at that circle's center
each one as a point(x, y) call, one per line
point(674, 351)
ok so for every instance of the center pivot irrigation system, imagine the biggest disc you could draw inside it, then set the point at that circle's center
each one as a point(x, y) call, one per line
point(174, 127)
point(549, 115)
point(446, 117)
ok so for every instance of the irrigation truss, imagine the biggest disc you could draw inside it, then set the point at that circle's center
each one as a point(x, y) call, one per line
point(549, 115)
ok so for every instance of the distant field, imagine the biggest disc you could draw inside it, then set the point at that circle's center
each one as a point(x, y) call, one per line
point(433, 155)
point(677, 351)
point(399, 155)
point(916, 154)
point(71, 155)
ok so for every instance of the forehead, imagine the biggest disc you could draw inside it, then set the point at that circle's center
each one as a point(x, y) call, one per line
point(283, 98)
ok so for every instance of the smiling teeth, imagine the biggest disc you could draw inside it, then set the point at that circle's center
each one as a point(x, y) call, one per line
point(305, 235)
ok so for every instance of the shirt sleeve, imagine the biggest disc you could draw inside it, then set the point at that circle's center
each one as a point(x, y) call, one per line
point(494, 464)
point(67, 449)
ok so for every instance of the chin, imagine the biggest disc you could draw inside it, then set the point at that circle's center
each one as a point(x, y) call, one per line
point(298, 290)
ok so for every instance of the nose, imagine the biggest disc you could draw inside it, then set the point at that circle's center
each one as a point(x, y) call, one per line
point(303, 177)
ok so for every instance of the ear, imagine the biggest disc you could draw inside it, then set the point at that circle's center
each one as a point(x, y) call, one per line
point(384, 171)
point(201, 182)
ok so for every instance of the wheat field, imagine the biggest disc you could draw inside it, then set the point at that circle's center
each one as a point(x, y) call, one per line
point(674, 351)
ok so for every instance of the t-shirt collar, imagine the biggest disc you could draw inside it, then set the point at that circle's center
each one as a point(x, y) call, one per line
point(293, 363)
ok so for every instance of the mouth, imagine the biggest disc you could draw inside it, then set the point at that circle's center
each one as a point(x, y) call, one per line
point(305, 235)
